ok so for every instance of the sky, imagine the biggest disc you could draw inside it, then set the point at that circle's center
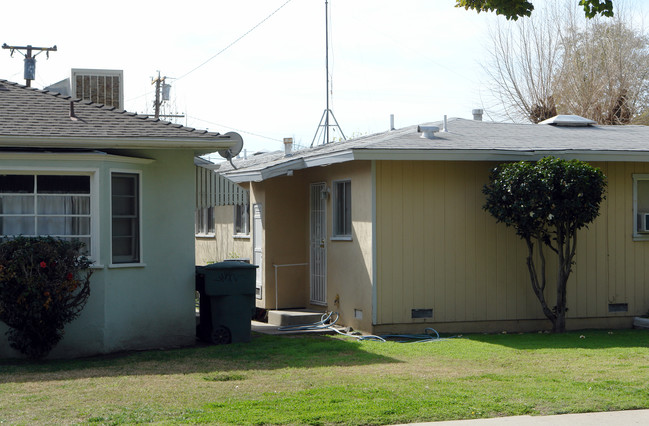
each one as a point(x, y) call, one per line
point(257, 67)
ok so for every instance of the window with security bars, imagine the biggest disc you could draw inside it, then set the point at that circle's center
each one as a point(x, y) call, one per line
point(46, 205)
point(125, 210)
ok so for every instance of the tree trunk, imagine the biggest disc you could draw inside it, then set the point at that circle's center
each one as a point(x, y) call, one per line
point(538, 285)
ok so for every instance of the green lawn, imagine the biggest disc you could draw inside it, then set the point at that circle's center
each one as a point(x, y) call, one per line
point(328, 380)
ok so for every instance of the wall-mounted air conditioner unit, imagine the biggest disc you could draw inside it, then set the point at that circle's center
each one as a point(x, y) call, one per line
point(643, 222)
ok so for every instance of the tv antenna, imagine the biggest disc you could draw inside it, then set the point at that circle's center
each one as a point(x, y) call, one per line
point(30, 61)
point(325, 123)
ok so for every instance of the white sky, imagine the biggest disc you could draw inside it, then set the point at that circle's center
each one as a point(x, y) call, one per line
point(416, 59)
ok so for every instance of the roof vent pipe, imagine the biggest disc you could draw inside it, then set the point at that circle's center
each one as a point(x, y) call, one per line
point(391, 121)
point(288, 146)
point(445, 128)
point(477, 114)
point(73, 116)
point(427, 132)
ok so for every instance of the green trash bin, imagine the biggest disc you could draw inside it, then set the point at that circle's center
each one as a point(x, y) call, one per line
point(227, 301)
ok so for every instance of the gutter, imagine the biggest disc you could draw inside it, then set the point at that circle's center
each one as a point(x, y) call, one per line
point(205, 145)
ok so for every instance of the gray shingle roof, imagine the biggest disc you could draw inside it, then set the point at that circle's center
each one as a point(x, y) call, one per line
point(33, 113)
point(464, 140)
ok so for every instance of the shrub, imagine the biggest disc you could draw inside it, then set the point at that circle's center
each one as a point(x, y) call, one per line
point(44, 284)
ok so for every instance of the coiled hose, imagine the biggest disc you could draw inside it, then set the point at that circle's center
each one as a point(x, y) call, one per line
point(326, 322)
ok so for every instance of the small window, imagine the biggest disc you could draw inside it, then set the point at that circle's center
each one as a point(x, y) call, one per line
point(125, 208)
point(205, 221)
point(342, 209)
point(641, 206)
point(242, 219)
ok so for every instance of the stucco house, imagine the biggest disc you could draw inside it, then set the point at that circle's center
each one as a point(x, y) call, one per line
point(125, 185)
point(389, 230)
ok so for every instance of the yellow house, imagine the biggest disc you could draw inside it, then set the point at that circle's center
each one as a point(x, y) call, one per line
point(388, 230)
point(222, 223)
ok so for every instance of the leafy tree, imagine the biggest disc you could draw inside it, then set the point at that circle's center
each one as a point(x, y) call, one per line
point(546, 203)
point(513, 9)
point(44, 284)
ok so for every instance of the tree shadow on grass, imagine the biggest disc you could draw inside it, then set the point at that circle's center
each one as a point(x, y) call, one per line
point(584, 339)
point(264, 352)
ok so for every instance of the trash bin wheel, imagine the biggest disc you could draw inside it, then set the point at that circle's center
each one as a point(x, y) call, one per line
point(221, 335)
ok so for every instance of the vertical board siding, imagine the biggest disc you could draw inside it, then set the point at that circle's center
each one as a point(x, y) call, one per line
point(213, 190)
point(438, 249)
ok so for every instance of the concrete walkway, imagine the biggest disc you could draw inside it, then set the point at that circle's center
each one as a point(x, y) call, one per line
point(609, 418)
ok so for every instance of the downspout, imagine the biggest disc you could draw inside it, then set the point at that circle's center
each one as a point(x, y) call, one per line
point(374, 249)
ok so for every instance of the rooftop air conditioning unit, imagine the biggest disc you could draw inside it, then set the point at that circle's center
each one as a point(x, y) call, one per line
point(643, 222)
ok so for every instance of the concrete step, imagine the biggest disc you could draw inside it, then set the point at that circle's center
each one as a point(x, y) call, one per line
point(293, 317)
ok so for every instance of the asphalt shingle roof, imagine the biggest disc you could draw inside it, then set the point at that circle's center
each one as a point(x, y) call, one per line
point(29, 112)
point(471, 138)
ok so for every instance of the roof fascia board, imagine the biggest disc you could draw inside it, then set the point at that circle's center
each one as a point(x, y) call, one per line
point(73, 156)
point(201, 145)
point(244, 177)
point(333, 158)
point(267, 173)
point(499, 155)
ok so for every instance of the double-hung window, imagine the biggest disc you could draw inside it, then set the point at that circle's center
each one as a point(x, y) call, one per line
point(242, 219)
point(46, 204)
point(204, 221)
point(342, 209)
point(641, 206)
point(125, 209)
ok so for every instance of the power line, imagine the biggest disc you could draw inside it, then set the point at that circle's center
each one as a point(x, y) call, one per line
point(235, 41)
point(223, 50)
point(235, 129)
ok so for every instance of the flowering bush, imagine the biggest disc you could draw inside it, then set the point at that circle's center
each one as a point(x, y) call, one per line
point(44, 284)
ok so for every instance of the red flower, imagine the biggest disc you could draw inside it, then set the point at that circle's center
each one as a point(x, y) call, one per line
point(69, 276)
point(43, 265)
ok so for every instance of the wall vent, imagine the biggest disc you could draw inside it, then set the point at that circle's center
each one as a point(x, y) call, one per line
point(618, 307)
point(421, 313)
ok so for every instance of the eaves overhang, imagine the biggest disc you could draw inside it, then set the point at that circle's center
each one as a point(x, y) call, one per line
point(501, 155)
point(199, 146)
point(493, 155)
point(83, 157)
point(258, 175)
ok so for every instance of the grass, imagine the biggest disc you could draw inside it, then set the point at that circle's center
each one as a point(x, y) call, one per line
point(336, 380)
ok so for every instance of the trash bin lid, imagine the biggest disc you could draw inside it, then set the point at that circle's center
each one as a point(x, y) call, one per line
point(229, 264)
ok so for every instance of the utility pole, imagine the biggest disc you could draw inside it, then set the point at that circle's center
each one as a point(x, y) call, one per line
point(157, 102)
point(30, 61)
point(161, 95)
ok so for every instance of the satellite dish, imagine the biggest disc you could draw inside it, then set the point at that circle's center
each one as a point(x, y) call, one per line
point(232, 152)
point(235, 149)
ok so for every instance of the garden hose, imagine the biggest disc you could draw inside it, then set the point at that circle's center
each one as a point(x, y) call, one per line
point(326, 322)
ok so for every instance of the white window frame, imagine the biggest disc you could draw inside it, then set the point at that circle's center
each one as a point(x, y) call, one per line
point(140, 261)
point(638, 236)
point(93, 249)
point(335, 207)
point(244, 219)
point(205, 224)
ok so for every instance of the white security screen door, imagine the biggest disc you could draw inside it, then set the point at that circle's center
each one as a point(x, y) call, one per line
point(318, 226)
point(256, 242)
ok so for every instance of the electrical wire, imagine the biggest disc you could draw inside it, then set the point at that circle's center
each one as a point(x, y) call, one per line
point(235, 41)
point(222, 50)
point(235, 129)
